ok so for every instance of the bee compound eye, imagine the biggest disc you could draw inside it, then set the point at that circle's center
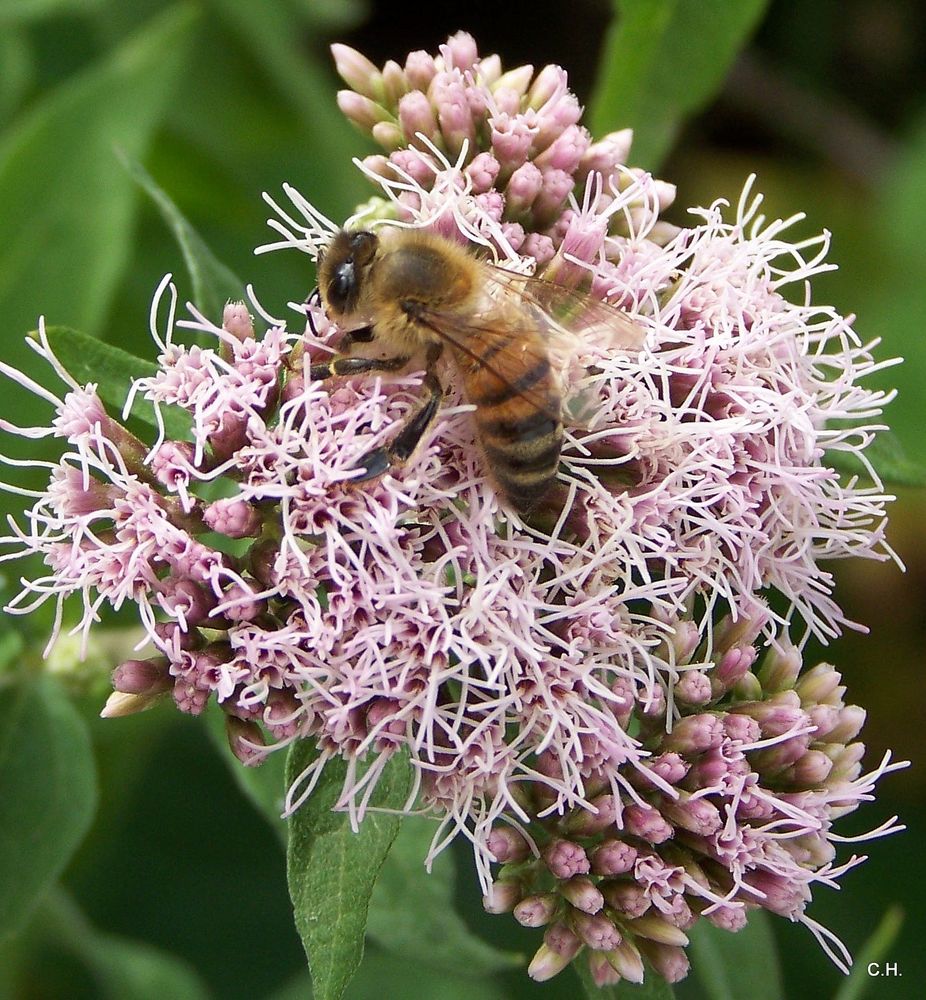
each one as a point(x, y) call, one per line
point(363, 245)
point(344, 280)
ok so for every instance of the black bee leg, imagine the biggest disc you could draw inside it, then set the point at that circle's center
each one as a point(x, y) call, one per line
point(362, 336)
point(378, 461)
point(339, 365)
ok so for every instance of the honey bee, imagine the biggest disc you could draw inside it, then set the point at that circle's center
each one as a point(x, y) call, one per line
point(417, 294)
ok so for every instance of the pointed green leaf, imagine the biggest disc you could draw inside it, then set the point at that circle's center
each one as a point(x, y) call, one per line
point(112, 370)
point(719, 957)
point(430, 931)
point(214, 284)
point(664, 60)
point(47, 793)
point(331, 870)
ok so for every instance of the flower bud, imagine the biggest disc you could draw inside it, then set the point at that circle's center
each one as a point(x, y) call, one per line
point(780, 668)
point(582, 893)
point(119, 704)
point(694, 734)
point(236, 320)
point(602, 972)
point(395, 83)
point(613, 857)
point(627, 898)
point(819, 685)
point(586, 823)
point(625, 960)
point(656, 928)
point(517, 79)
point(357, 71)
point(537, 910)
point(361, 110)
point(565, 858)
point(669, 961)
point(245, 740)
point(596, 930)
point(147, 677)
point(502, 896)
point(506, 844)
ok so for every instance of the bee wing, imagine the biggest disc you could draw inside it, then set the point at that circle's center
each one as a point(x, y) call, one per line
point(565, 318)
point(484, 339)
point(570, 314)
point(575, 323)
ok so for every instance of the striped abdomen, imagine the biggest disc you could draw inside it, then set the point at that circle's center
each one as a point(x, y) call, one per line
point(509, 378)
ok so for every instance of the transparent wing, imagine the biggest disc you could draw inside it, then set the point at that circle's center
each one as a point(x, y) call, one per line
point(571, 314)
point(500, 339)
point(546, 321)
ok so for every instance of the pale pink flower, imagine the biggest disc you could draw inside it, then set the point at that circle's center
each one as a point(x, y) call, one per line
point(589, 675)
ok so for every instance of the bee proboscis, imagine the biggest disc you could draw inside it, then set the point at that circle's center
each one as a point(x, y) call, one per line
point(420, 295)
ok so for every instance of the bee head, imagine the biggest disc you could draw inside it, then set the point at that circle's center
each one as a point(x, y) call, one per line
point(343, 266)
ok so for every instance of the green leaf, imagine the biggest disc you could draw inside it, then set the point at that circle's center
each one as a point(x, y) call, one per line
point(331, 870)
point(653, 987)
point(48, 793)
point(67, 207)
point(430, 931)
point(664, 60)
point(123, 969)
point(719, 957)
point(888, 458)
point(265, 786)
point(112, 370)
point(875, 949)
point(214, 284)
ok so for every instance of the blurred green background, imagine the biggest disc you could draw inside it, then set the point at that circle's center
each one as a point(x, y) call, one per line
point(229, 98)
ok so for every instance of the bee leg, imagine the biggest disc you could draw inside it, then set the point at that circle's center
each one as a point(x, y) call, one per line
point(340, 365)
point(362, 336)
point(411, 434)
point(378, 461)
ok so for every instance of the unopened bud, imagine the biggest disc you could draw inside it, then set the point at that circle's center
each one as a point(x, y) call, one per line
point(119, 704)
point(148, 677)
point(245, 740)
point(582, 894)
point(537, 910)
point(502, 896)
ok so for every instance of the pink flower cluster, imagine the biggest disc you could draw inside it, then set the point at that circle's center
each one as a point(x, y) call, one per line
point(530, 671)
point(731, 810)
